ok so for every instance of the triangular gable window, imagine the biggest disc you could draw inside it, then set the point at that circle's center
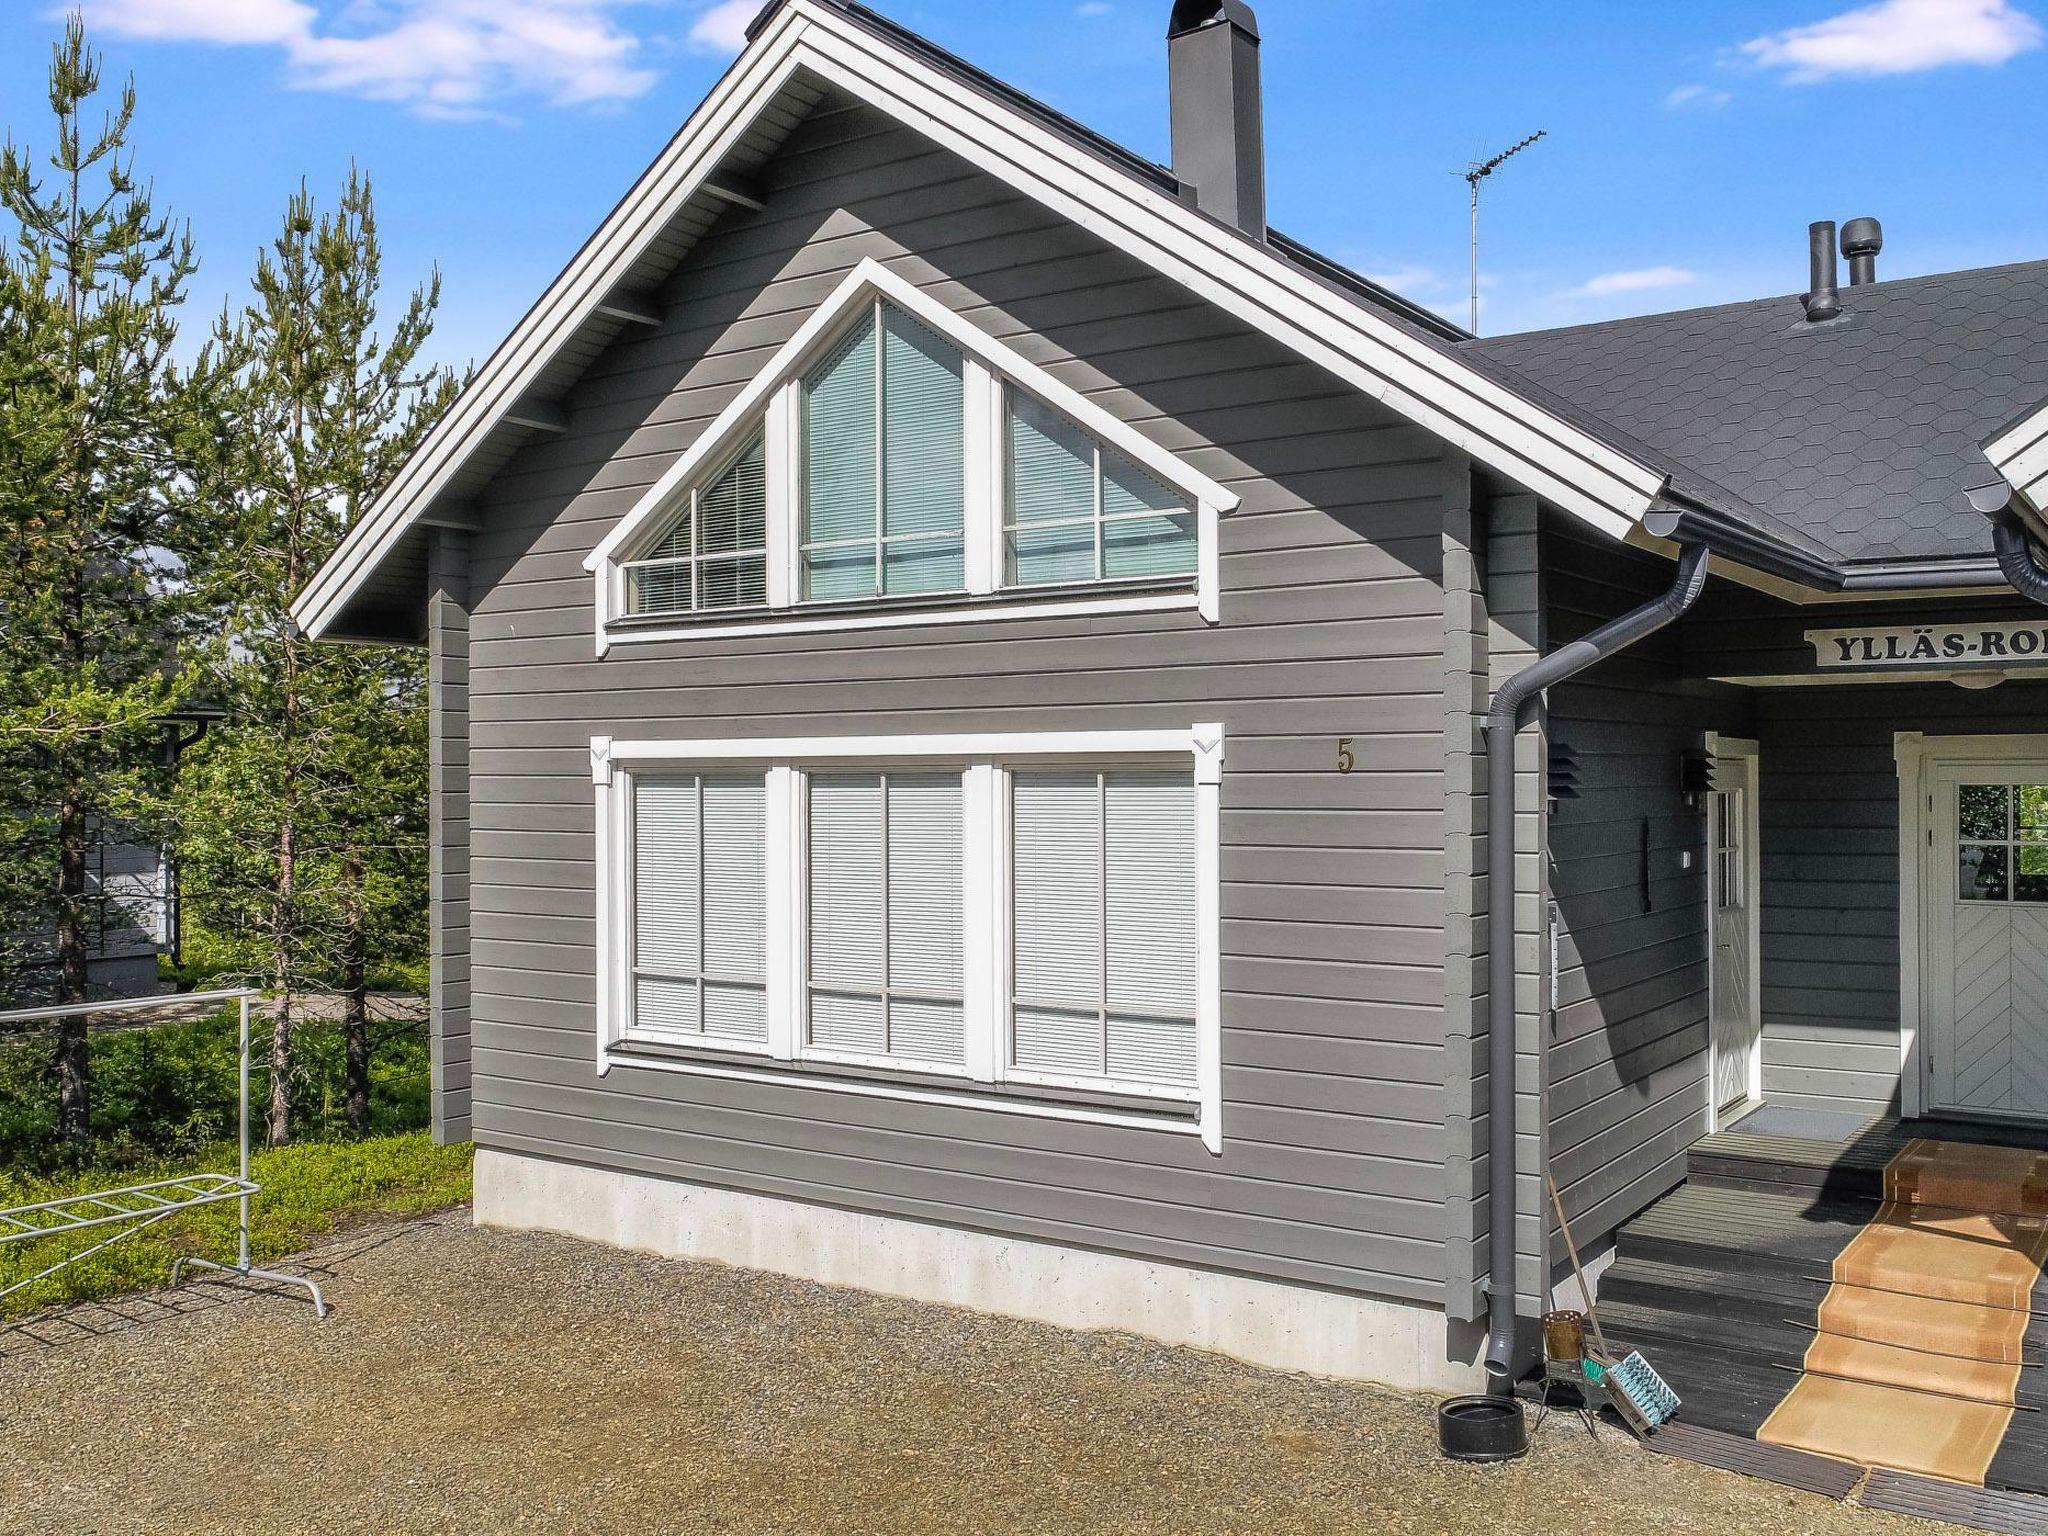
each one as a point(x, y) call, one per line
point(892, 452)
point(715, 554)
point(884, 482)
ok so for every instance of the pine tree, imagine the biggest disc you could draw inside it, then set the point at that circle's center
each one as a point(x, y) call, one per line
point(300, 812)
point(99, 431)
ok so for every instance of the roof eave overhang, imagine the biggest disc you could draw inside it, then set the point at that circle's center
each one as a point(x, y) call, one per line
point(1740, 544)
point(1515, 437)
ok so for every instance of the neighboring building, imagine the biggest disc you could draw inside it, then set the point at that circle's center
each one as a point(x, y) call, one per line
point(958, 668)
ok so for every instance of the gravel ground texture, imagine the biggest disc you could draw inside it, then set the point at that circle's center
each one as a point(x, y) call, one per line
point(481, 1381)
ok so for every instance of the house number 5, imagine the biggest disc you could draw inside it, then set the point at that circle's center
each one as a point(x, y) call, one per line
point(1345, 761)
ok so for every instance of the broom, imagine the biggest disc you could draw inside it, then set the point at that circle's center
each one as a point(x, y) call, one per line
point(1642, 1397)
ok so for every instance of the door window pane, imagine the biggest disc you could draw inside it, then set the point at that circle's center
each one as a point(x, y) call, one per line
point(1981, 811)
point(2031, 813)
point(1981, 871)
point(2030, 873)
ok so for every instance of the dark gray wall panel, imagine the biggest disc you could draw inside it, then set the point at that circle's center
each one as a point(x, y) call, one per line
point(1333, 886)
point(1628, 1031)
point(449, 1022)
point(1830, 811)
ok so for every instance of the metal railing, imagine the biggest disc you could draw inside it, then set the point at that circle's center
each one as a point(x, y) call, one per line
point(138, 1207)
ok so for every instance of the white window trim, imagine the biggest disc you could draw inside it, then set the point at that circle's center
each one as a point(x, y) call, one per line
point(983, 758)
point(769, 403)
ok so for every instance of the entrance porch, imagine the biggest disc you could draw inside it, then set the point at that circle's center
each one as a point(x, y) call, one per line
point(1776, 1271)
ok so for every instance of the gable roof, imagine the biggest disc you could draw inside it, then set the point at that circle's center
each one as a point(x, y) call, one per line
point(1862, 435)
point(798, 50)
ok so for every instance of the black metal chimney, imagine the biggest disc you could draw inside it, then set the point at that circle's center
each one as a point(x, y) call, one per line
point(1862, 239)
point(1219, 139)
point(1823, 298)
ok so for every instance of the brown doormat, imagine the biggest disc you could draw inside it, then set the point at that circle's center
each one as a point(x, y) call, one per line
point(2010, 1180)
point(1889, 1426)
point(1980, 1381)
point(1943, 1255)
point(1958, 1328)
point(1917, 1362)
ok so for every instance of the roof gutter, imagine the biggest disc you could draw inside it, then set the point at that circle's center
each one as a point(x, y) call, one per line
point(1514, 706)
point(1688, 523)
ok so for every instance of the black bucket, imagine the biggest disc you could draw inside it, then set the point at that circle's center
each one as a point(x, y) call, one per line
point(1483, 1428)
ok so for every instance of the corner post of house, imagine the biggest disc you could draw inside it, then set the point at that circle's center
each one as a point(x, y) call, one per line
point(448, 601)
point(1515, 639)
point(1465, 701)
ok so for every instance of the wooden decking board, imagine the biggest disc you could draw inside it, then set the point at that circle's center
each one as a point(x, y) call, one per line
point(1739, 1453)
point(1983, 1509)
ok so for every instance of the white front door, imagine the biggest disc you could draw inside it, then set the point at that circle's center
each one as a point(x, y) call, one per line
point(1736, 1028)
point(1984, 901)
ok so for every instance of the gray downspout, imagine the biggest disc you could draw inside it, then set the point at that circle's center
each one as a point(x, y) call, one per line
point(1514, 706)
point(2017, 560)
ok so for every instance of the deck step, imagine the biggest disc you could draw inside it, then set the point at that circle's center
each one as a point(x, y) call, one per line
point(1744, 1232)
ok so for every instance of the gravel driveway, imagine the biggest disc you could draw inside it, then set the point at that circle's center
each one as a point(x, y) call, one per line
point(474, 1381)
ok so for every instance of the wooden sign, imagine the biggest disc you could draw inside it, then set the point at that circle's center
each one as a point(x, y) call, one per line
point(1932, 645)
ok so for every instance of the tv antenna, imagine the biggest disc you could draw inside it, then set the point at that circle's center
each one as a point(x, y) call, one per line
point(1474, 174)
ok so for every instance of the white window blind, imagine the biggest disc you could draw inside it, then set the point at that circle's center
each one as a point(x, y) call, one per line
point(715, 554)
point(886, 896)
point(700, 906)
point(1103, 923)
point(1076, 511)
point(884, 473)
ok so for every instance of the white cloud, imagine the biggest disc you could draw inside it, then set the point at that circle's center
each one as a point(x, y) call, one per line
point(1698, 96)
point(1094, 8)
point(1897, 37)
point(723, 28)
point(440, 58)
point(1638, 280)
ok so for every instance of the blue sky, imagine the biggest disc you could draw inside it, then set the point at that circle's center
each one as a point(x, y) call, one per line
point(1688, 147)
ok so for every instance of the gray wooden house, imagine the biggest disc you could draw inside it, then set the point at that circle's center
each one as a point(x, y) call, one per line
point(961, 661)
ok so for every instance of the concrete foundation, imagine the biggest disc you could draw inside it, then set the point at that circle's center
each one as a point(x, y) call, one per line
point(1285, 1327)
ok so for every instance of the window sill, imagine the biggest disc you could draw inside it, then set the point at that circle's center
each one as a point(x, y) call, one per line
point(1103, 1107)
point(1089, 600)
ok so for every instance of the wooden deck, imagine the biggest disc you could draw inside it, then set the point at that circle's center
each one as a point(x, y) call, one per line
point(1720, 1283)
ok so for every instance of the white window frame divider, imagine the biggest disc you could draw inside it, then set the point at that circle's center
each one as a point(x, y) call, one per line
point(770, 401)
point(984, 760)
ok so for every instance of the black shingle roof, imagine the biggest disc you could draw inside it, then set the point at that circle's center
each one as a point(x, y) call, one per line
point(1862, 433)
point(1851, 442)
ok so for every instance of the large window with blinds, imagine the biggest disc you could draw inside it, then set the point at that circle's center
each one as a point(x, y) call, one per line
point(884, 916)
point(1103, 902)
point(699, 967)
point(1022, 915)
point(894, 453)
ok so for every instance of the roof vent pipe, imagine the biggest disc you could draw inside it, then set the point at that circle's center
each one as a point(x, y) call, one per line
point(1823, 298)
point(1862, 239)
point(1219, 137)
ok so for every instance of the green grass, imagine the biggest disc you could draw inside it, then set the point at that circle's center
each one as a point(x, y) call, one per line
point(169, 1090)
point(309, 1191)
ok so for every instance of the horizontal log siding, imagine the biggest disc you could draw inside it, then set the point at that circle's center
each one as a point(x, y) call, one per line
point(1333, 613)
point(1830, 810)
point(1628, 1034)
